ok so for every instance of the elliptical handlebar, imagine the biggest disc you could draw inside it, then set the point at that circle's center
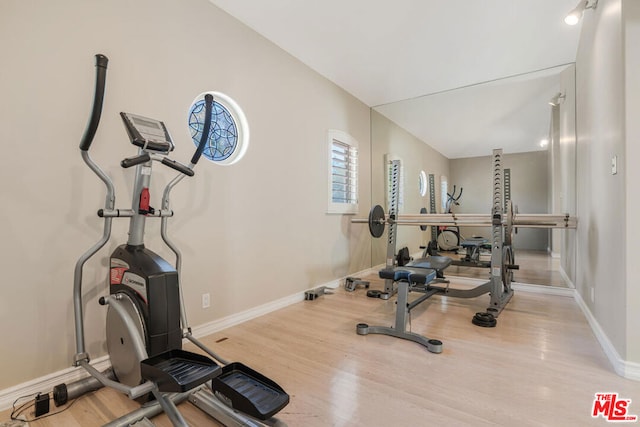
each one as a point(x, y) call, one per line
point(452, 199)
point(208, 106)
point(96, 111)
point(206, 131)
point(136, 160)
point(98, 98)
point(177, 166)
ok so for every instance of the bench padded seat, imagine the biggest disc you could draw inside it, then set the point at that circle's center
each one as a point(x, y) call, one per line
point(420, 276)
point(432, 262)
point(474, 242)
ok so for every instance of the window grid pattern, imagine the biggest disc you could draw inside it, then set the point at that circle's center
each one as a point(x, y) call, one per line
point(344, 173)
point(223, 138)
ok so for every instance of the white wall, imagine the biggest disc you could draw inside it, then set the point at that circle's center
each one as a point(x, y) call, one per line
point(600, 195)
point(631, 28)
point(250, 234)
point(607, 110)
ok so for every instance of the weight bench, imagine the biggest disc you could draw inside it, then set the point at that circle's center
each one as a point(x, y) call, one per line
point(472, 247)
point(472, 257)
point(407, 279)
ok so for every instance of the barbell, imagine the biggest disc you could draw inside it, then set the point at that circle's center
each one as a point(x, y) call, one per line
point(378, 220)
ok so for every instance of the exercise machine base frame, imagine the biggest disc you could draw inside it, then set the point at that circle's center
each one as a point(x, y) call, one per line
point(433, 345)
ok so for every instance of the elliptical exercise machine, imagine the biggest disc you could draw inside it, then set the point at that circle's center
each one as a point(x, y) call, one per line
point(146, 320)
point(448, 238)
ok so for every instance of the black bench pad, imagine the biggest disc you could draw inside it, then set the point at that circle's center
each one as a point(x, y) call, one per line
point(432, 262)
point(473, 242)
point(421, 276)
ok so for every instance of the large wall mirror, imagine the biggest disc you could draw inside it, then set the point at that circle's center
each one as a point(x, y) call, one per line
point(450, 136)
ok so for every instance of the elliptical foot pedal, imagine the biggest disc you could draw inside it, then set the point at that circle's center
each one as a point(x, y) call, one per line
point(248, 391)
point(486, 320)
point(178, 370)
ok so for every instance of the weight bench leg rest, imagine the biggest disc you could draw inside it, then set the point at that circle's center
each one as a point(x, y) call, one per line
point(434, 346)
point(402, 311)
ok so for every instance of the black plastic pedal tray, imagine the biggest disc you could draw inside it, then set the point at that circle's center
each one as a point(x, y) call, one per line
point(249, 391)
point(179, 370)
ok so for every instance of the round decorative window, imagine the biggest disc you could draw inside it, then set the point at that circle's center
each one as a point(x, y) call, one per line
point(229, 136)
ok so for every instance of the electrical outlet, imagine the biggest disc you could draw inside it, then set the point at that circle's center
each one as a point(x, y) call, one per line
point(614, 165)
point(206, 300)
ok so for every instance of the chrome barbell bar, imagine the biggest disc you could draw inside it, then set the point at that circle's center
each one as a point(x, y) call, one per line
point(509, 219)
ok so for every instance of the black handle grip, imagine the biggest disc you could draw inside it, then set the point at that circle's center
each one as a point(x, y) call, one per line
point(98, 98)
point(136, 160)
point(177, 166)
point(208, 106)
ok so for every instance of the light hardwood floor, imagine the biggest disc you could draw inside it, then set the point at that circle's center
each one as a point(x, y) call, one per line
point(541, 366)
point(536, 267)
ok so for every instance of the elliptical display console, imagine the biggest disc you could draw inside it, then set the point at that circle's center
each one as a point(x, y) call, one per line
point(147, 133)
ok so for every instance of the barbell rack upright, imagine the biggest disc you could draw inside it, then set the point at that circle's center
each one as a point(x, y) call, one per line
point(394, 203)
point(501, 291)
point(433, 210)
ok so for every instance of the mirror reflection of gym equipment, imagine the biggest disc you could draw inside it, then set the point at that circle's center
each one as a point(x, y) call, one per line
point(421, 275)
point(544, 181)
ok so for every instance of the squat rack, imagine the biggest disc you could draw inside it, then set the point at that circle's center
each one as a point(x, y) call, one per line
point(502, 221)
point(501, 224)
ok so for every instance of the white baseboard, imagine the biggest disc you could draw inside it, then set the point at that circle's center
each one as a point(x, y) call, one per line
point(47, 382)
point(566, 278)
point(542, 289)
point(252, 313)
point(630, 370)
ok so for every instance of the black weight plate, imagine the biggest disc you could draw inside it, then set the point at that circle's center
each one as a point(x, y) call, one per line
point(374, 293)
point(486, 320)
point(423, 211)
point(507, 260)
point(376, 221)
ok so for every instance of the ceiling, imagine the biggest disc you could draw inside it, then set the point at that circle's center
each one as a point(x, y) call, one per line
point(424, 63)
